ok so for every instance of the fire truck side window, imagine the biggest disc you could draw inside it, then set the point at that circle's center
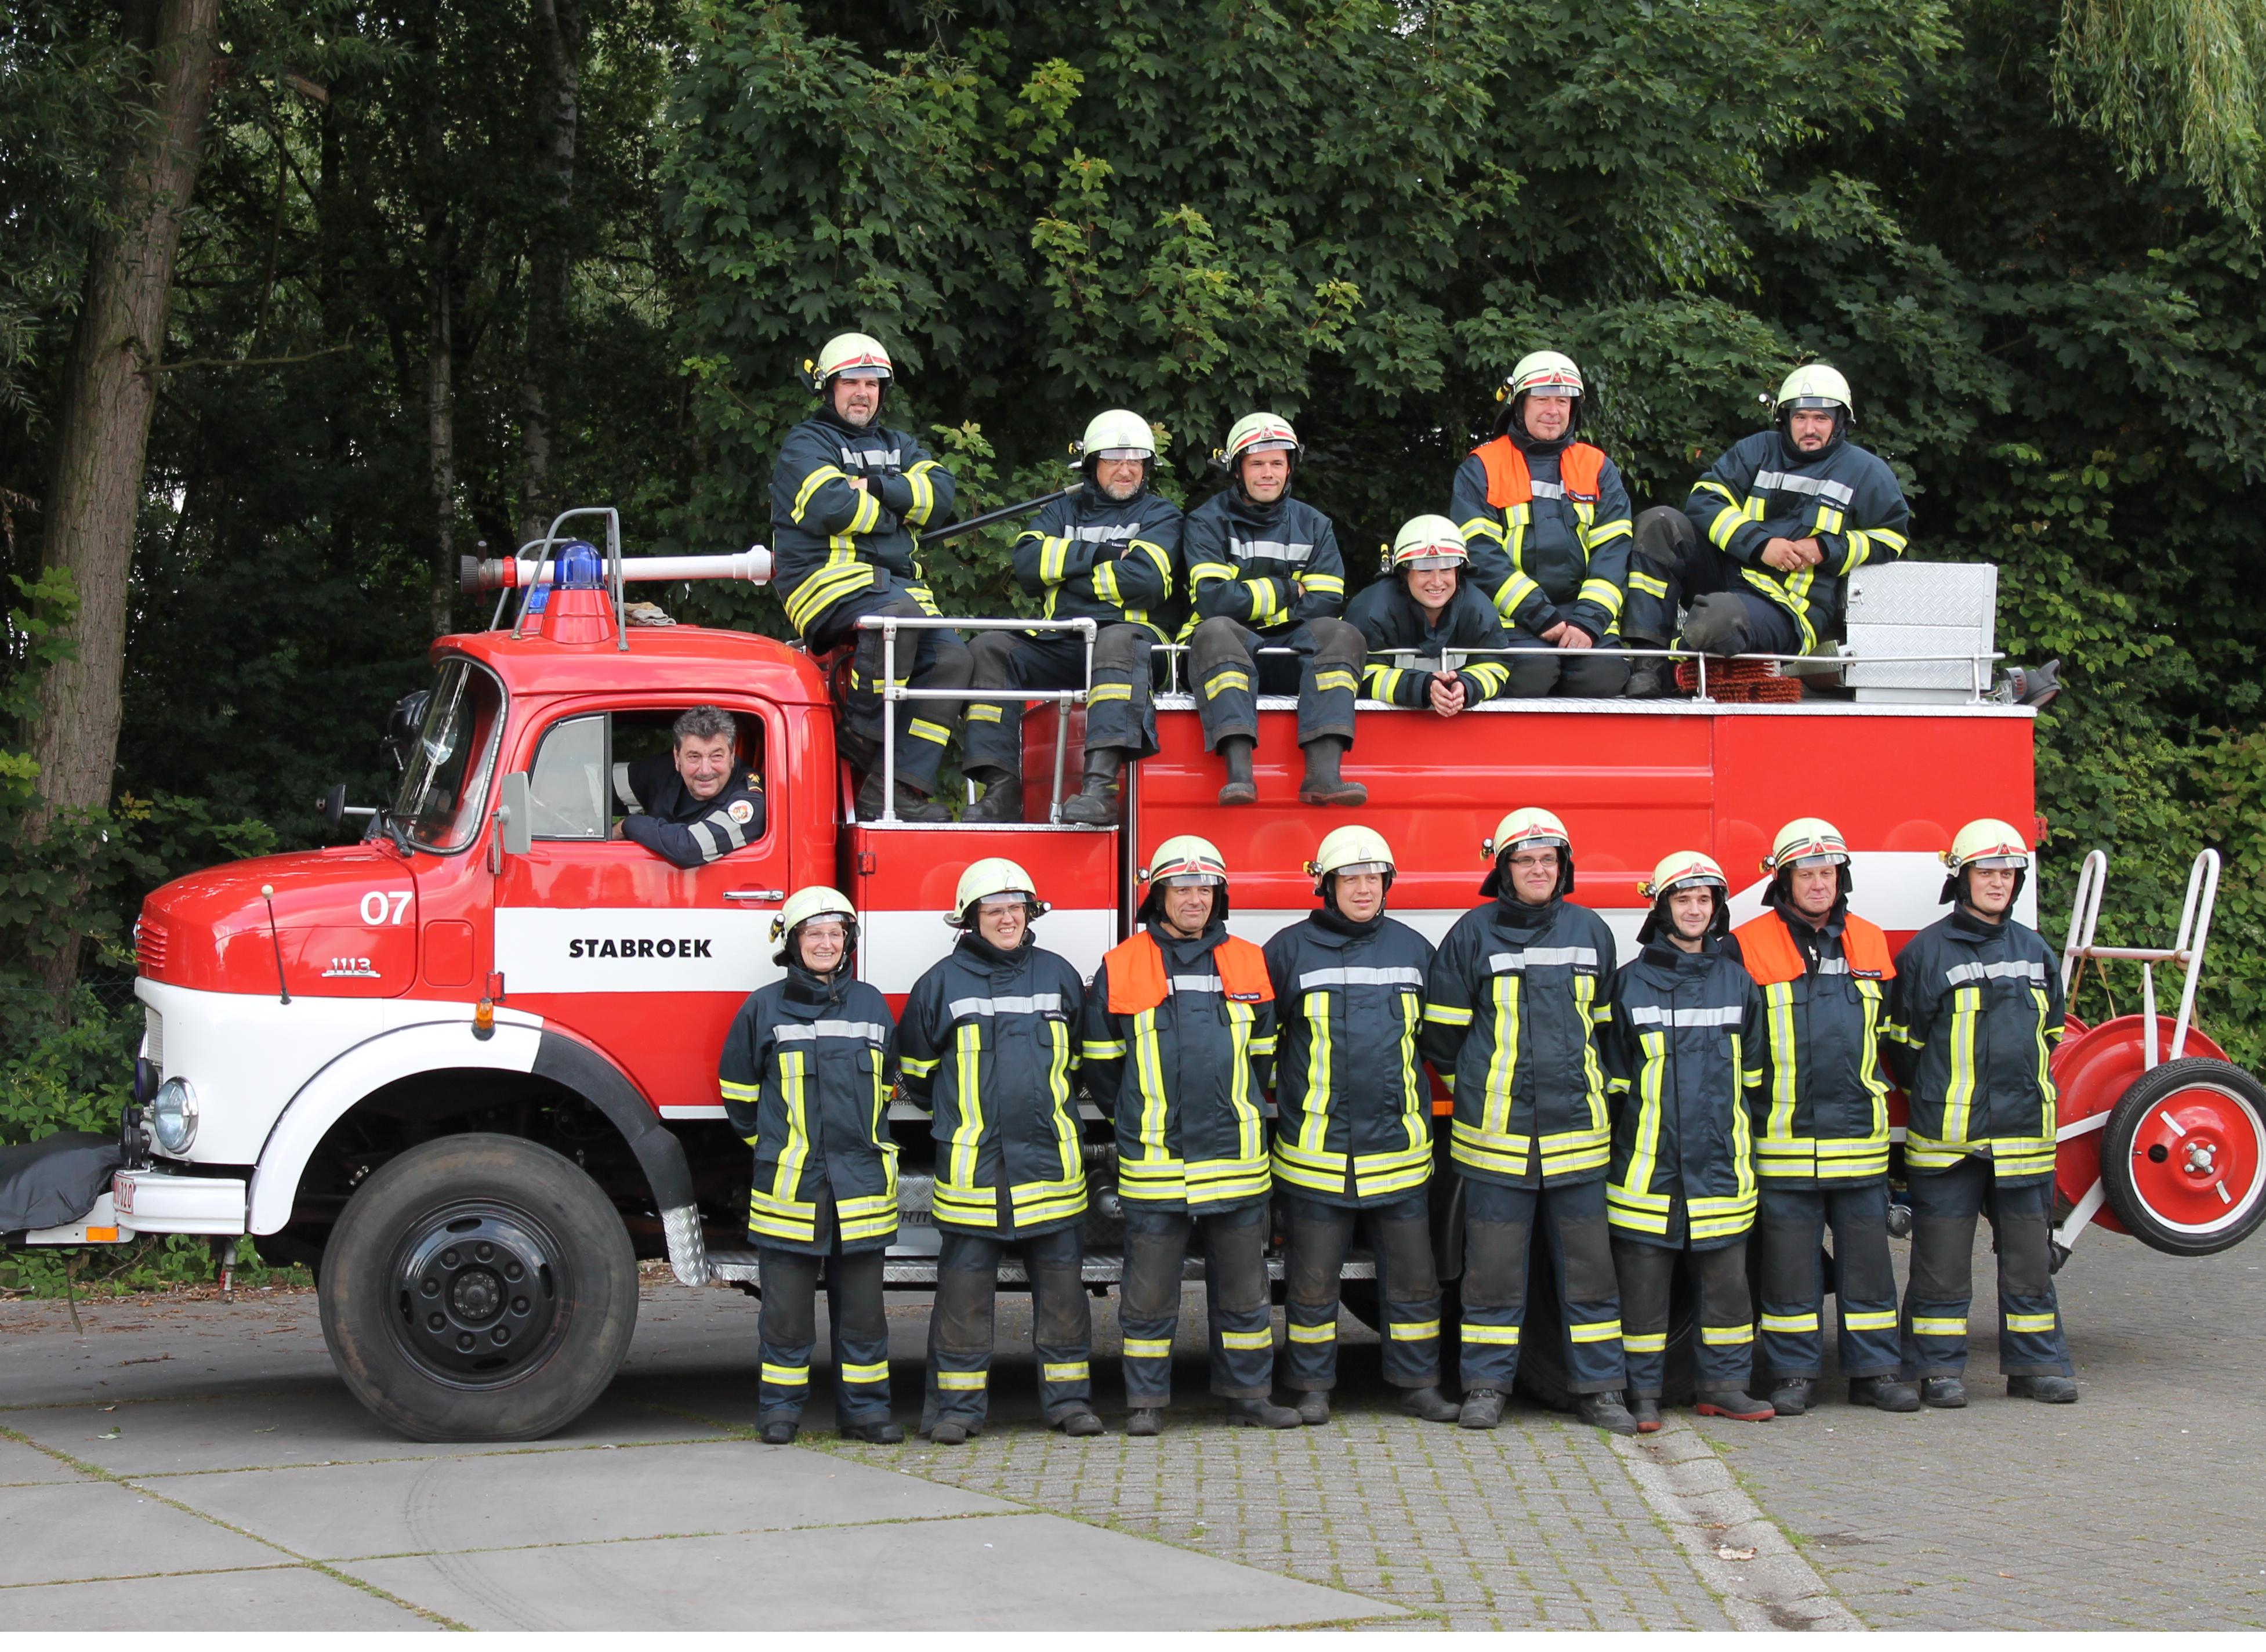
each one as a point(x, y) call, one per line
point(567, 788)
point(447, 779)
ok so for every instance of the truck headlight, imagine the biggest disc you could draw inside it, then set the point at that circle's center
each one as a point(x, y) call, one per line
point(173, 1116)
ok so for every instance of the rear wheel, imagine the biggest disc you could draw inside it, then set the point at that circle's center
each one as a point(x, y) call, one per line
point(2184, 1159)
point(478, 1287)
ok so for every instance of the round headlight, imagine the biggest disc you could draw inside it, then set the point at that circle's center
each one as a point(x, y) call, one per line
point(173, 1116)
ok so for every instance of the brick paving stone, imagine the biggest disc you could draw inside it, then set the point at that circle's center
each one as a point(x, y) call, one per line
point(2138, 1507)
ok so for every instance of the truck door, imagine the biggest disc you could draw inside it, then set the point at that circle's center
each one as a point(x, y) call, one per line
point(647, 961)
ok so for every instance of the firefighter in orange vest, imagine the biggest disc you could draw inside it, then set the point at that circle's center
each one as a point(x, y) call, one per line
point(1178, 1037)
point(1546, 519)
point(1821, 1125)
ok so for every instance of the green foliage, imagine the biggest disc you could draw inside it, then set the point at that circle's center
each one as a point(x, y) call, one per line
point(2172, 83)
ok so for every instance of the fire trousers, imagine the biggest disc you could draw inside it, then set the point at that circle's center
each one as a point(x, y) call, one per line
point(1227, 674)
point(924, 659)
point(1498, 1225)
point(1242, 1333)
point(959, 1325)
point(1671, 564)
point(1944, 1206)
point(1725, 1352)
point(1793, 1226)
point(1408, 1288)
point(1118, 715)
point(788, 1330)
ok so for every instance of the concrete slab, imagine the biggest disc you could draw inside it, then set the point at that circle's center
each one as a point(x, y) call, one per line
point(592, 1494)
point(287, 1598)
point(306, 1423)
point(1018, 1572)
point(158, 1344)
point(22, 1466)
point(54, 1534)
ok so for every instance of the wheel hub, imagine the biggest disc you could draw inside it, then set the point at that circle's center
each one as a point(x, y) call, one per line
point(477, 1293)
point(2196, 1160)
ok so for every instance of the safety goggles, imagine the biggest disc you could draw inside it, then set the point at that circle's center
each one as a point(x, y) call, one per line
point(1272, 446)
point(1434, 562)
point(1815, 403)
point(1005, 900)
point(1555, 392)
point(1120, 453)
point(1828, 859)
point(1556, 844)
point(1696, 881)
point(1357, 868)
point(864, 372)
point(1191, 881)
point(2000, 863)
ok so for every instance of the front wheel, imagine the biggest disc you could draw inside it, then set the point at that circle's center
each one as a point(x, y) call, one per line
point(2184, 1159)
point(478, 1287)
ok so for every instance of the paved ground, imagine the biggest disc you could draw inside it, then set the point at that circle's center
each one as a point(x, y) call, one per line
point(195, 1462)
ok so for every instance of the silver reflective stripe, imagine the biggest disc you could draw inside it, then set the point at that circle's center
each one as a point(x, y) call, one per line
point(723, 817)
point(867, 458)
point(1196, 983)
point(1400, 976)
point(1652, 1015)
point(1790, 482)
point(1268, 549)
point(622, 789)
point(1037, 1003)
point(1097, 533)
point(709, 847)
point(1540, 957)
point(872, 1031)
point(1833, 965)
point(1541, 489)
point(2029, 969)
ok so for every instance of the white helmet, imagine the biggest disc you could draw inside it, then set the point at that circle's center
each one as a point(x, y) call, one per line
point(1808, 841)
point(852, 353)
point(1427, 541)
point(995, 875)
point(1184, 860)
point(1686, 868)
point(1350, 849)
point(1259, 433)
point(814, 900)
point(1814, 386)
point(1118, 435)
point(1540, 373)
point(1528, 828)
point(1984, 842)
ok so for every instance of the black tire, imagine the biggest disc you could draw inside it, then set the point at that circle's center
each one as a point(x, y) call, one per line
point(478, 1287)
point(2143, 1160)
point(1542, 1337)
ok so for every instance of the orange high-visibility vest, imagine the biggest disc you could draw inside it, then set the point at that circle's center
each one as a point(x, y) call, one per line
point(1772, 955)
point(1579, 467)
point(1136, 973)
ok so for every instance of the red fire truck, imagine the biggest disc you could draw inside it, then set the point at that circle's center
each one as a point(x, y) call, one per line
point(467, 1064)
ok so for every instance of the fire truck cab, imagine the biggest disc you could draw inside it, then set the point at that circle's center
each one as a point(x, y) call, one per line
point(467, 1066)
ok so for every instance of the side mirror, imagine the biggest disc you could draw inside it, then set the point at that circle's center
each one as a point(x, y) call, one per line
point(515, 816)
point(332, 806)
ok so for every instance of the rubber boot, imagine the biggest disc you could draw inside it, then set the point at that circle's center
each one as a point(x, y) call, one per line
point(1001, 802)
point(1145, 1420)
point(1314, 1408)
point(873, 1433)
point(1791, 1396)
point(1431, 1404)
point(1096, 802)
point(1883, 1393)
point(1945, 1394)
point(1080, 1424)
point(911, 805)
point(1649, 679)
point(948, 1434)
point(1240, 787)
point(779, 1434)
point(1740, 1407)
point(1645, 1410)
point(1483, 1408)
point(2055, 1391)
point(1323, 784)
point(1261, 1413)
point(1606, 1411)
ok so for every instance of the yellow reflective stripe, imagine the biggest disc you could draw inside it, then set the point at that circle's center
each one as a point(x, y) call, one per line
point(982, 713)
point(1644, 1154)
point(812, 482)
point(1878, 1320)
point(1069, 1370)
point(968, 1050)
point(1498, 1335)
point(1314, 1333)
point(1148, 1347)
point(868, 513)
point(786, 1376)
point(1728, 521)
point(1648, 585)
point(1321, 1068)
point(1102, 692)
point(1385, 683)
point(1515, 591)
point(1337, 677)
point(1796, 1321)
point(1207, 574)
point(962, 1381)
point(1102, 1049)
point(876, 1372)
point(1247, 1339)
point(2030, 1321)
point(1413, 1331)
point(1220, 682)
point(1727, 1335)
point(919, 1066)
point(1604, 594)
point(1105, 583)
point(1940, 1327)
point(921, 728)
point(1447, 1014)
point(1482, 528)
point(1603, 1331)
point(1959, 1091)
point(923, 501)
point(733, 1091)
point(1605, 532)
point(1502, 1062)
point(1054, 553)
point(1490, 674)
point(1645, 1341)
point(1327, 584)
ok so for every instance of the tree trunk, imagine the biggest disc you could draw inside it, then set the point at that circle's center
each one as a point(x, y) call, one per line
point(440, 352)
point(102, 424)
point(560, 36)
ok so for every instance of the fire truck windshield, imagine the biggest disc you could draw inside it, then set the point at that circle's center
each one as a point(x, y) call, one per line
point(447, 779)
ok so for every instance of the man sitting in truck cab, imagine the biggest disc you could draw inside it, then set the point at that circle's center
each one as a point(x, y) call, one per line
point(1105, 555)
point(849, 499)
point(696, 803)
point(1765, 545)
point(1418, 612)
point(1547, 521)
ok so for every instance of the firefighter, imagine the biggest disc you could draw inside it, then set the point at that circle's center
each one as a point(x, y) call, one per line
point(1107, 555)
point(1263, 572)
point(1686, 1020)
point(1764, 548)
point(697, 802)
point(987, 1044)
point(1424, 606)
point(1821, 1125)
point(849, 499)
point(804, 1078)
point(1511, 1010)
point(1547, 521)
point(1353, 1125)
point(1975, 1011)
point(1179, 1035)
